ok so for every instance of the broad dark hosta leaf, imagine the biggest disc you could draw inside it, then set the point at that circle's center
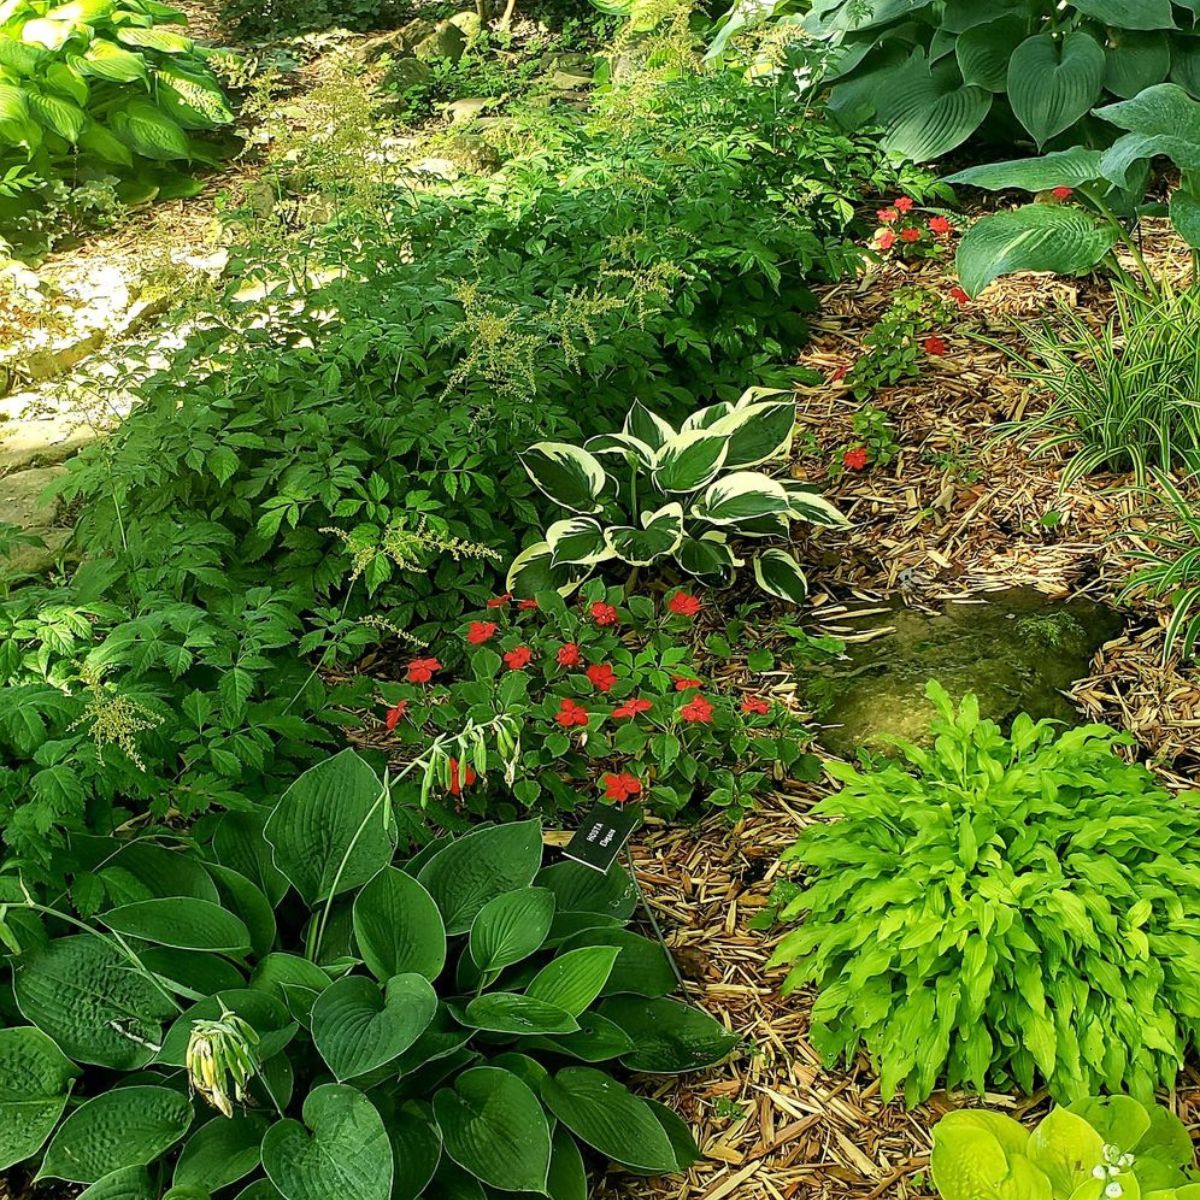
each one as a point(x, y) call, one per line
point(1052, 82)
point(222, 1151)
point(294, 981)
point(341, 1149)
point(668, 1037)
point(180, 922)
point(123, 1127)
point(661, 534)
point(1163, 120)
point(926, 111)
point(130, 1183)
point(327, 830)
point(1038, 237)
point(510, 927)
point(398, 927)
point(1185, 216)
point(259, 1009)
point(1059, 168)
point(578, 888)
point(1129, 14)
point(983, 50)
point(84, 994)
point(239, 843)
point(246, 900)
point(571, 981)
point(511, 1012)
point(494, 1126)
point(1135, 61)
point(416, 1148)
point(35, 1084)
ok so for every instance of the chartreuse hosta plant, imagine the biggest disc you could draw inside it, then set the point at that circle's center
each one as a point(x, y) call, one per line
point(102, 86)
point(1100, 1148)
point(1002, 910)
point(1101, 192)
point(656, 496)
point(290, 1008)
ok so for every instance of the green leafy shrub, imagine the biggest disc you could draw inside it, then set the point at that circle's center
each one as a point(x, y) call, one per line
point(101, 88)
point(933, 75)
point(1002, 910)
point(358, 1021)
point(653, 494)
point(285, 18)
point(609, 703)
point(1100, 1148)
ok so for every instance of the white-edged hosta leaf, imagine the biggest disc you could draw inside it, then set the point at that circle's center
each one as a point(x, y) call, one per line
point(779, 574)
point(708, 558)
point(647, 427)
point(706, 418)
point(566, 474)
point(661, 534)
point(927, 111)
point(1052, 82)
point(534, 570)
point(689, 460)
point(577, 541)
point(742, 495)
point(1058, 168)
point(35, 1083)
point(757, 433)
point(814, 508)
point(1038, 237)
point(621, 446)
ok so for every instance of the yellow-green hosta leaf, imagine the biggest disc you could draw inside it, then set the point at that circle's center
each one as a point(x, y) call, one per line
point(661, 534)
point(973, 1159)
point(97, 140)
point(149, 131)
point(566, 474)
point(192, 96)
point(106, 60)
point(58, 115)
point(779, 574)
point(50, 35)
point(1122, 1121)
point(84, 11)
point(163, 40)
point(1066, 1149)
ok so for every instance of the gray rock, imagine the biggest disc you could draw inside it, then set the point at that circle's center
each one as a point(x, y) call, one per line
point(41, 440)
point(446, 41)
point(469, 23)
point(407, 73)
point(467, 109)
point(396, 41)
point(476, 154)
point(38, 560)
point(22, 502)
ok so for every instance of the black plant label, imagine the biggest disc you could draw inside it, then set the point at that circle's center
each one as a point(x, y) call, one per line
point(601, 834)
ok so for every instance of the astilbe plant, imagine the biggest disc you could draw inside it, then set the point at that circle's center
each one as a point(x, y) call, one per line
point(1001, 910)
point(290, 1004)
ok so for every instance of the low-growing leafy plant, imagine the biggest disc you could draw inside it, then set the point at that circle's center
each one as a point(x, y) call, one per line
point(286, 18)
point(103, 88)
point(1002, 910)
point(653, 494)
point(895, 349)
point(1099, 1148)
point(286, 1000)
point(610, 704)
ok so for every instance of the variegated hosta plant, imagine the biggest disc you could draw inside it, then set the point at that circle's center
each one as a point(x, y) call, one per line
point(1100, 1148)
point(101, 87)
point(653, 495)
point(294, 1008)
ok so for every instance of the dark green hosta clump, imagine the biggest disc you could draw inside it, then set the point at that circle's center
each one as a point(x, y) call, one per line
point(1000, 911)
point(288, 1009)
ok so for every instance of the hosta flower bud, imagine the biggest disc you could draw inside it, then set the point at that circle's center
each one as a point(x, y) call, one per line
point(1113, 1190)
point(222, 1057)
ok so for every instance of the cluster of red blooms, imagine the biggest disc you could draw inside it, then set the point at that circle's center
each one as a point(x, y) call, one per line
point(896, 225)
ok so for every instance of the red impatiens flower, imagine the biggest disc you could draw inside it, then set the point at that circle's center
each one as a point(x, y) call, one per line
point(1062, 193)
point(421, 670)
point(684, 604)
point(621, 787)
point(888, 215)
point(569, 713)
point(456, 783)
point(959, 296)
point(481, 631)
point(568, 655)
point(632, 707)
point(518, 658)
point(886, 239)
point(526, 605)
point(911, 234)
point(499, 601)
point(856, 459)
point(683, 683)
point(904, 204)
point(604, 614)
point(934, 345)
point(839, 374)
point(395, 713)
point(601, 677)
point(698, 711)
point(756, 706)
point(940, 225)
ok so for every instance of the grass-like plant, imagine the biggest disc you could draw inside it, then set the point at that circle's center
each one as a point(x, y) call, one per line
point(1126, 393)
point(1002, 910)
point(293, 1007)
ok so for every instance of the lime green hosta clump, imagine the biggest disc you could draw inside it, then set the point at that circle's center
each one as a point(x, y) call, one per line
point(653, 495)
point(292, 1008)
point(999, 911)
point(1100, 1148)
point(101, 87)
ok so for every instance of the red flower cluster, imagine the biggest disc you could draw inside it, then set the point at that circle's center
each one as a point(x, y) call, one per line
point(910, 234)
point(518, 658)
point(697, 711)
point(394, 714)
point(756, 706)
point(940, 225)
point(1062, 193)
point(499, 601)
point(684, 604)
point(568, 655)
point(959, 296)
point(526, 605)
point(855, 459)
point(604, 614)
point(683, 683)
point(457, 784)
point(934, 345)
point(481, 631)
point(421, 670)
point(621, 787)
point(904, 204)
point(601, 676)
point(569, 714)
point(897, 225)
point(631, 708)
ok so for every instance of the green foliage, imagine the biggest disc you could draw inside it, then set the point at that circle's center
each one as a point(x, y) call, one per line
point(893, 346)
point(446, 1020)
point(285, 18)
point(1172, 573)
point(641, 724)
point(1123, 395)
point(96, 88)
point(934, 75)
point(1100, 1148)
point(1004, 911)
point(327, 460)
point(654, 494)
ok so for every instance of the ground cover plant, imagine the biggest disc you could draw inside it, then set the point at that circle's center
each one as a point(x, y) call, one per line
point(292, 997)
point(1000, 911)
point(607, 703)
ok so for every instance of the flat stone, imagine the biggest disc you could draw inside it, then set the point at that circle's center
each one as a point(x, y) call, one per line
point(469, 23)
point(466, 109)
point(565, 81)
point(31, 441)
point(37, 560)
point(52, 361)
point(446, 41)
point(22, 500)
